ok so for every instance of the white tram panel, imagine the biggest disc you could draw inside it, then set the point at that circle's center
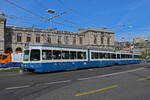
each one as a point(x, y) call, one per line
point(99, 52)
point(65, 49)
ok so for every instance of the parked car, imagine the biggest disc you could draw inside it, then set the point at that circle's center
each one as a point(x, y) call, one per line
point(148, 58)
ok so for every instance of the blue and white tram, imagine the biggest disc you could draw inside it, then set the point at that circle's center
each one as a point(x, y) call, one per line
point(42, 58)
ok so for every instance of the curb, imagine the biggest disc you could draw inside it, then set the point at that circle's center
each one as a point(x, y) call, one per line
point(13, 69)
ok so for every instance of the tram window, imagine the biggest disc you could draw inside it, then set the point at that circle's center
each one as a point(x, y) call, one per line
point(65, 54)
point(103, 55)
point(113, 56)
point(136, 56)
point(84, 55)
point(56, 54)
point(100, 55)
point(46, 54)
point(127, 56)
point(73, 55)
point(35, 55)
point(118, 56)
point(81, 55)
point(107, 55)
point(123, 56)
point(94, 55)
point(26, 55)
point(130, 56)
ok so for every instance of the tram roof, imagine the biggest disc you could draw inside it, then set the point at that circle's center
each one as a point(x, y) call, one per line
point(71, 47)
point(80, 47)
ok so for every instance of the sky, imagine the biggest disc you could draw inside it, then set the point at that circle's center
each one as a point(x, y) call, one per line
point(127, 18)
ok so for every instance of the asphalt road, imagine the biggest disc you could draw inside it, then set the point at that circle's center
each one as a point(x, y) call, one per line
point(126, 82)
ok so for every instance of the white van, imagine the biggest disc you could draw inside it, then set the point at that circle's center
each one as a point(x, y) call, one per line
point(148, 59)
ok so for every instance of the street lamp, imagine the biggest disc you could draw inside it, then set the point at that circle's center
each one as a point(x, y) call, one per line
point(50, 11)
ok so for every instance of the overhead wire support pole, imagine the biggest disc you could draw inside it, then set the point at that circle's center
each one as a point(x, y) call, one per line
point(62, 13)
point(53, 17)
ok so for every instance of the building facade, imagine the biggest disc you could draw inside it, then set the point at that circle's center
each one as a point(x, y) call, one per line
point(123, 46)
point(15, 39)
point(2, 32)
point(140, 39)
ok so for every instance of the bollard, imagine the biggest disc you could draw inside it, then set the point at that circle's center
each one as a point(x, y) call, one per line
point(21, 71)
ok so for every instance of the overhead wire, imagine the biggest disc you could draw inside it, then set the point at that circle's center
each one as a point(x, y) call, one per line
point(35, 14)
point(71, 22)
point(19, 17)
point(22, 17)
point(56, 16)
point(64, 24)
point(20, 7)
point(74, 11)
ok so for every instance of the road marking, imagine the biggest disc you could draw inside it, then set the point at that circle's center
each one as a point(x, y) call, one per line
point(94, 91)
point(57, 82)
point(101, 76)
point(25, 86)
point(145, 78)
point(90, 69)
point(10, 88)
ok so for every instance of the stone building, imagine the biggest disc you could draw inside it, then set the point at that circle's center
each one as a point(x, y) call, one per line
point(140, 39)
point(2, 32)
point(14, 39)
point(98, 38)
point(123, 46)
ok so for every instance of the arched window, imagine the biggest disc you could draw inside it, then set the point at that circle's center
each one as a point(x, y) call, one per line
point(19, 37)
point(74, 40)
point(95, 39)
point(108, 40)
point(19, 49)
point(49, 38)
point(102, 40)
point(81, 40)
point(37, 38)
point(28, 38)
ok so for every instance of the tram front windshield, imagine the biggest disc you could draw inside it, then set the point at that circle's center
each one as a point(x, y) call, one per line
point(35, 55)
point(26, 55)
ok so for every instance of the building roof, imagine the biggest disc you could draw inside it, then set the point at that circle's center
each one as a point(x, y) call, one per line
point(40, 30)
point(93, 29)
